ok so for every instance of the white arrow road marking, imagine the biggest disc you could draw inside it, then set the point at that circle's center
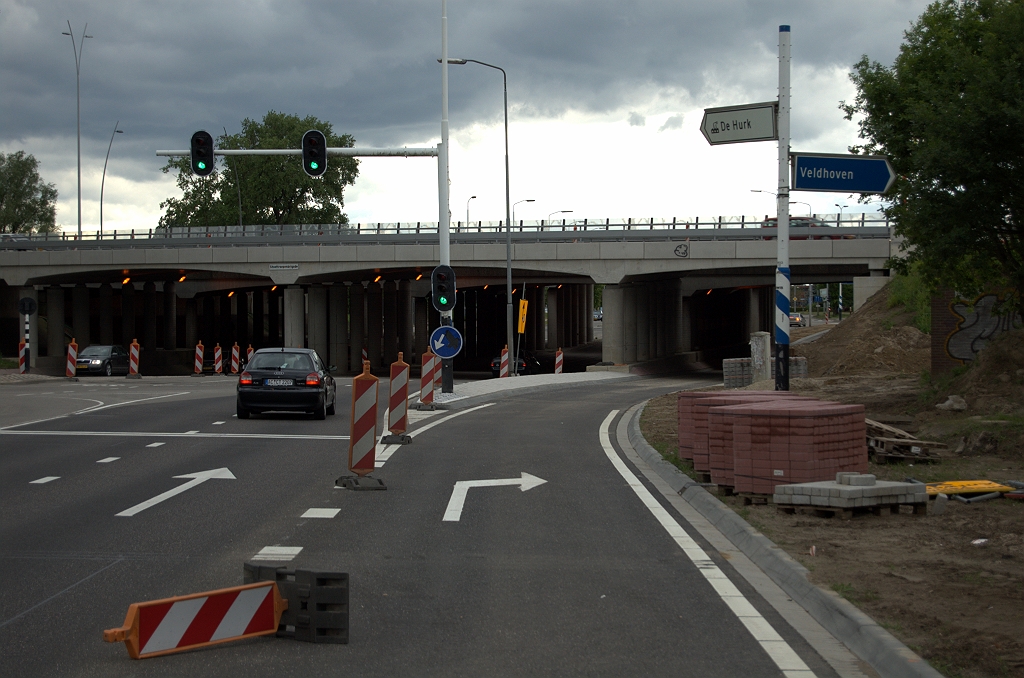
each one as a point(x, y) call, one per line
point(196, 479)
point(454, 510)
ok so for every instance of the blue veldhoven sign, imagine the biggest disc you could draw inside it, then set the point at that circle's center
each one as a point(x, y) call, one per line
point(445, 342)
point(841, 173)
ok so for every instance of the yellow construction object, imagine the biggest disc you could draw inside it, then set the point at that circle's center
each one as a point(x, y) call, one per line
point(966, 487)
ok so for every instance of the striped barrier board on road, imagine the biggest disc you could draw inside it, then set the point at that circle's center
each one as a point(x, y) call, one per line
point(199, 358)
point(398, 398)
point(160, 627)
point(248, 353)
point(366, 356)
point(23, 357)
point(429, 365)
point(71, 369)
point(218, 359)
point(503, 371)
point(362, 445)
point(133, 358)
point(235, 358)
point(558, 361)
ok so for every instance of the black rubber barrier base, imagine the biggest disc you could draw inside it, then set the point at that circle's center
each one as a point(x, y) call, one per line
point(317, 602)
point(357, 483)
point(396, 439)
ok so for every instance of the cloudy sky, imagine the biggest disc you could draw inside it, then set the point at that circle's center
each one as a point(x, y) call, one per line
point(605, 96)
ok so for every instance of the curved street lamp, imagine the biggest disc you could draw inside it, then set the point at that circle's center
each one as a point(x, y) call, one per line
point(467, 210)
point(514, 207)
point(558, 212)
point(104, 180)
point(77, 50)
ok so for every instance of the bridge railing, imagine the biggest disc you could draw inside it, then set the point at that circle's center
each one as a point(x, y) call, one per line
point(859, 225)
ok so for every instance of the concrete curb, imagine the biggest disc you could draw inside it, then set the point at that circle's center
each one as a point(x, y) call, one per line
point(859, 632)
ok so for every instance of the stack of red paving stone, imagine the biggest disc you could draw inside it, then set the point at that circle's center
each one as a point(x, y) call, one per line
point(756, 440)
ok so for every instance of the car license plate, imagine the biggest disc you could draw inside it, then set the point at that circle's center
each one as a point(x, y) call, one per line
point(278, 382)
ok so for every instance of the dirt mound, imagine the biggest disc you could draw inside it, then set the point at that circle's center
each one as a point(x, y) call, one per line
point(876, 339)
point(995, 381)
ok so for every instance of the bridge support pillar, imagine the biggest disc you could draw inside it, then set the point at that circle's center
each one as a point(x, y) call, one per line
point(127, 313)
point(316, 320)
point(33, 325)
point(337, 301)
point(357, 327)
point(390, 333)
point(374, 324)
point(170, 315)
point(629, 329)
point(225, 325)
point(422, 332)
point(684, 330)
point(274, 317)
point(54, 321)
point(612, 325)
point(149, 316)
point(241, 319)
point(106, 314)
point(643, 322)
point(753, 308)
point(191, 323)
point(865, 286)
point(258, 326)
point(405, 319)
point(574, 315)
point(80, 314)
point(664, 299)
point(588, 309)
point(554, 326)
point(294, 317)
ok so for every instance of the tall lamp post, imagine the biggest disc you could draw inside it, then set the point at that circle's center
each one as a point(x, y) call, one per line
point(558, 212)
point(77, 49)
point(806, 204)
point(104, 180)
point(467, 210)
point(508, 209)
point(841, 208)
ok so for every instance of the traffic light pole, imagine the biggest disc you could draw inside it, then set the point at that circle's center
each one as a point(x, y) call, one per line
point(444, 214)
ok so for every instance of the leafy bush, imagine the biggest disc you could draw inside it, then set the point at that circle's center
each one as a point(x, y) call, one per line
point(911, 292)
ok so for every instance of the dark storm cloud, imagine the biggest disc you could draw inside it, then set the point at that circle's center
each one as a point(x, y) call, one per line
point(165, 69)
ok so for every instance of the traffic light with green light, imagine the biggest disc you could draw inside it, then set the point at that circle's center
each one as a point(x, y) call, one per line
point(442, 288)
point(314, 153)
point(202, 153)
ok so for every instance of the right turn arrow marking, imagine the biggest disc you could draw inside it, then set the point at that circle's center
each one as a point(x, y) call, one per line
point(455, 504)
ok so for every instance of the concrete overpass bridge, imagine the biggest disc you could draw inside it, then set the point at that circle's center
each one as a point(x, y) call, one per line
point(671, 286)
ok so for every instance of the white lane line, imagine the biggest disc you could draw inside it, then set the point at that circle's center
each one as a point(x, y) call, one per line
point(280, 554)
point(321, 513)
point(386, 453)
point(107, 460)
point(217, 423)
point(159, 434)
point(101, 406)
point(778, 649)
point(154, 445)
point(40, 481)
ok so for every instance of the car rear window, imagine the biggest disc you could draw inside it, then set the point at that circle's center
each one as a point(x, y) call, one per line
point(281, 361)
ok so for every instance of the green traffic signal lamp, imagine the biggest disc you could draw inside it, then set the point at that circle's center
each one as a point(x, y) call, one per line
point(201, 151)
point(314, 153)
point(442, 288)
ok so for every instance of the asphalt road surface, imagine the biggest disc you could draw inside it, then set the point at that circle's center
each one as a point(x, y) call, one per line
point(591, 572)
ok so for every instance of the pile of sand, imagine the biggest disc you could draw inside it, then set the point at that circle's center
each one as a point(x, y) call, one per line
point(995, 381)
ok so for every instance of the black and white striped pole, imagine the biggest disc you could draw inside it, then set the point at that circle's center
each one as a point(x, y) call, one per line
point(782, 275)
point(25, 360)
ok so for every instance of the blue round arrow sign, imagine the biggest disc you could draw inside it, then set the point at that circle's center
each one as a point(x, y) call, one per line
point(445, 342)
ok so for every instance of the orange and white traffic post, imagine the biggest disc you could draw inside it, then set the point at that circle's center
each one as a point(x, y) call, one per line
point(199, 359)
point(133, 360)
point(160, 627)
point(218, 359)
point(23, 357)
point(429, 365)
point(558, 361)
point(71, 367)
point(398, 404)
point(362, 440)
point(248, 354)
point(503, 370)
point(235, 357)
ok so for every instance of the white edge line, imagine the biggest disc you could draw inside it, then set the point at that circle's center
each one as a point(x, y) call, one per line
point(101, 406)
point(432, 424)
point(151, 434)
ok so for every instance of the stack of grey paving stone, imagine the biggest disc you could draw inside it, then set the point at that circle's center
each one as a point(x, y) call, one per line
point(737, 372)
point(850, 491)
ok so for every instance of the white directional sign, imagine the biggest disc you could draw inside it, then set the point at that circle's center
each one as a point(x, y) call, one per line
point(739, 124)
point(196, 479)
point(455, 504)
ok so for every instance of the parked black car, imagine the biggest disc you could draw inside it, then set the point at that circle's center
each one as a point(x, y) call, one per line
point(286, 379)
point(528, 364)
point(106, 360)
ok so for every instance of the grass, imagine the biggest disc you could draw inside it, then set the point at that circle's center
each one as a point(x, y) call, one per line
point(8, 364)
point(854, 596)
point(668, 453)
point(910, 292)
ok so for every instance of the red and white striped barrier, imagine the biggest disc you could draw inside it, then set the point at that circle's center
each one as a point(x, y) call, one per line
point(362, 444)
point(235, 357)
point(160, 627)
point(71, 368)
point(23, 357)
point(430, 364)
point(437, 372)
point(398, 397)
point(366, 356)
point(503, 370)
point(199, 358)
point(218, 359)
point(558, 361)
point(133, 359)
point(248, 354)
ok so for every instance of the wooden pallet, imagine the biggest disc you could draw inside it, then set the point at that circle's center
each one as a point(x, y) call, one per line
point(920, 509)
point(750, 498)
point(888, 443)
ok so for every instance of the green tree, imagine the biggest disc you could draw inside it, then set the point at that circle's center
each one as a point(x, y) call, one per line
point(274, 189)
point(27, 205)
point(949, 113)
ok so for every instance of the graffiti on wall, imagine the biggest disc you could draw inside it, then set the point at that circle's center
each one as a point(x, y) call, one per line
point(977, 325)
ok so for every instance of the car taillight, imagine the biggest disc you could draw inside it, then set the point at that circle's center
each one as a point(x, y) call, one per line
point(245, 378)
point(312, 379)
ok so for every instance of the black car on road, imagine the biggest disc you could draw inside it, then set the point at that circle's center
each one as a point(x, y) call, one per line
point(286, 380)
point(528, 364)
point(108, 360)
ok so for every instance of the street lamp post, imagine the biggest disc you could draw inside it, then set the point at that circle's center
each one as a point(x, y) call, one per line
point(508, 210)
point(104, 180)
point(77, 50)
point(839, 222)
point(806, 204)
point(467, 210)
point(558, 212)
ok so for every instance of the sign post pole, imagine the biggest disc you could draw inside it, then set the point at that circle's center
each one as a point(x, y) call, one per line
point(782, 276)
